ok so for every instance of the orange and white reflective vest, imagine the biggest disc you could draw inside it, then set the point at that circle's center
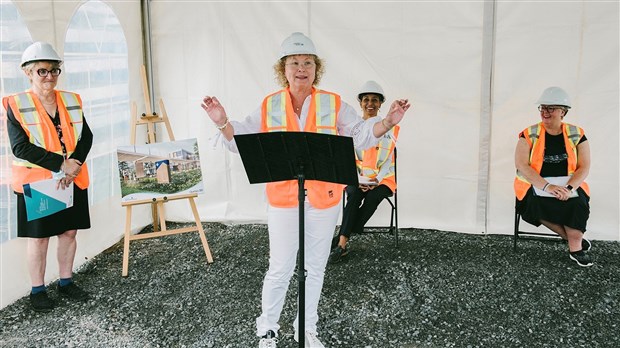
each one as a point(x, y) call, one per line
point(41, 132)
point(370, 161)
point(535, 137)
point(278, 116)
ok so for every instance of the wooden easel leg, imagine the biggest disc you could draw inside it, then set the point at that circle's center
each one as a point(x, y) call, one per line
point(162, 216)
point(201, 231)
point(127, 237)
point(156, 224)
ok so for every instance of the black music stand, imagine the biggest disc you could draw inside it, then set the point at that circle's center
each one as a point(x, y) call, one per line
point(301, 156)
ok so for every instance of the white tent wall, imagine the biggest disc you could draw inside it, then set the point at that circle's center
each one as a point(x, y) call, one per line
point(48, 21)
point(431, 53)
point(398, 44)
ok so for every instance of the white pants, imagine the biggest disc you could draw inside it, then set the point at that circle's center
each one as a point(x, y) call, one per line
point(283, 223)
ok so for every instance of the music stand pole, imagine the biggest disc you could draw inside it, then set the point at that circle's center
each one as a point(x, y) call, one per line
point(301, 266)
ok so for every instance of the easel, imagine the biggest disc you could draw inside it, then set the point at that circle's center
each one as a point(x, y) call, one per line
point(157, 204)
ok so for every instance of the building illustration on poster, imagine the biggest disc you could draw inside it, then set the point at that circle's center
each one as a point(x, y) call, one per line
point(159, 169)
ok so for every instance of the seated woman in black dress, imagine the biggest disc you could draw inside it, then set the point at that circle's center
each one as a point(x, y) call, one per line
point(553, 160)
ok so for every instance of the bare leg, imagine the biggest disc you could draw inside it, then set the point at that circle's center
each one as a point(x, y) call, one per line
point(559, 229)
point(574, 238)
point(571, 235)
point(343, 241)
point(67, 246)
point(37, 259)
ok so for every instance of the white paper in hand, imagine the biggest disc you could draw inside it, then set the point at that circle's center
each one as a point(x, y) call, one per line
point(364, 180)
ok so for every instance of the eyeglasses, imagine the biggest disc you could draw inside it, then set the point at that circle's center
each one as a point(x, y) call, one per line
point(306, 65)
point(43, 72)
point(549, 109)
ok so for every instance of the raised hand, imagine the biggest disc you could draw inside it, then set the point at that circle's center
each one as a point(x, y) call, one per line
point(397, 112)
point(214, 110)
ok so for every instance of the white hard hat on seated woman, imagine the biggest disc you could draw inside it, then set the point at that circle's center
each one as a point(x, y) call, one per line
point(554, 97)
point(297, 44)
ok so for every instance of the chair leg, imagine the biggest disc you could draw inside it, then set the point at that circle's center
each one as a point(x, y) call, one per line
point(396, 225)
point(516, 231)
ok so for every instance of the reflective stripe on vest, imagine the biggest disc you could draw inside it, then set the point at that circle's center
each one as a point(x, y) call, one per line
point(321, 114)
point(571, 134)
point(29, 117)
point(276, 108)
point(325, 106)
point(74, 109)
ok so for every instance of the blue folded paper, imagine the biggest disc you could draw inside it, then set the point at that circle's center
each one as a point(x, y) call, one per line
point(43, 199)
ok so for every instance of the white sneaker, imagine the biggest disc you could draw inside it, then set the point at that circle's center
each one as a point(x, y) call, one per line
point(311, 341)
point(268, 341)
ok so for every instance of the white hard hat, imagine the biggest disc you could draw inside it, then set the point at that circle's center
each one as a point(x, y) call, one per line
point(297, 43)
point(371, 87)
point(39, 51)
point(554, 96)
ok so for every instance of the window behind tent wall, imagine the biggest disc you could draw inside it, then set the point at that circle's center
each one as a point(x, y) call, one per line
point(97, 68)
point(15, 39)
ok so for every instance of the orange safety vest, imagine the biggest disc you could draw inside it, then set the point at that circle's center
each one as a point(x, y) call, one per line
point(535, 137)
point(41, 132)
point(278, 116)
point(370, 161)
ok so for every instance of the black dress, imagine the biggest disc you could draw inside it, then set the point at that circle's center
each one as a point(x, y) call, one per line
point(573, 212)
point(76, 217)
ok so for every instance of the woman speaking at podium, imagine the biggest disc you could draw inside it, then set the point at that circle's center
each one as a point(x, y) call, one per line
point(300, 106)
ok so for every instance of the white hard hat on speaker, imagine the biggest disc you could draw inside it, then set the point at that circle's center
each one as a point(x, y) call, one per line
point(297, 43)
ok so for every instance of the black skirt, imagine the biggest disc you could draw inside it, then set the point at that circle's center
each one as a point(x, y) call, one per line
point(573, 213)
point(76, 217)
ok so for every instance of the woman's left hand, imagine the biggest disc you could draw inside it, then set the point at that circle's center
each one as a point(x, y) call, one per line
point(64, 183)
point(559, 192)
point(397, 111)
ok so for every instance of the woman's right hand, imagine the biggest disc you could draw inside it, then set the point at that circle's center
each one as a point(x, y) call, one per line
point(71, 167)
point(215, 110)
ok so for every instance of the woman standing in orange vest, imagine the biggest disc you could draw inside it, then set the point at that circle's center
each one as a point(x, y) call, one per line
point(376, 164)
point(553, 160)
point(300, 106)
point(50, 139)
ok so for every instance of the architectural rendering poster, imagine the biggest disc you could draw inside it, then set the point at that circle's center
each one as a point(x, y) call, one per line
point(161, 169)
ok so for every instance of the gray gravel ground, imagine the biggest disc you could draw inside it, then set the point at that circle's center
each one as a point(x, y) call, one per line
point(437, 289)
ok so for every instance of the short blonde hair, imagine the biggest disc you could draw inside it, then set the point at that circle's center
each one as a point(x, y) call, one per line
point(280, 65)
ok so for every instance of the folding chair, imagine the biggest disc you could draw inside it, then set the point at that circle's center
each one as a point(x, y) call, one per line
point(518, 233)
point(393, 202)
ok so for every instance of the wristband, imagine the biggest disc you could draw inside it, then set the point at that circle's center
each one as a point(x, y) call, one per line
point(384, 125)
point(545, 187)
point(222, 126)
